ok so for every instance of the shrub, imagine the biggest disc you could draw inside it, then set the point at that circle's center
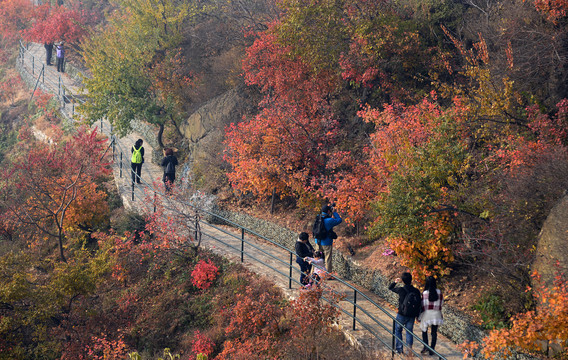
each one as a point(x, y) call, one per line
point(204, 274)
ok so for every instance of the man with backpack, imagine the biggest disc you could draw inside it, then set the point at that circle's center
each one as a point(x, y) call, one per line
point(409, 305)
point(137, 161)
point(324, 234)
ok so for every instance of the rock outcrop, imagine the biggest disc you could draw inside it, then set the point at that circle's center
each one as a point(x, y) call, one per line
point(552, 246)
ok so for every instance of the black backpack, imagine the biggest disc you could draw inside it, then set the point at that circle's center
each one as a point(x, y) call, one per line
point(170, 168)
point(318, 230)
point(411, 304)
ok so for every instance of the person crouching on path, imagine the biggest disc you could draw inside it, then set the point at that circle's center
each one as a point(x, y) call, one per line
point(137, 161)
point(331, 219)
point(169, 163)
point(408, 309)
point(319, 268)
point(303, 250)
point(431, 315)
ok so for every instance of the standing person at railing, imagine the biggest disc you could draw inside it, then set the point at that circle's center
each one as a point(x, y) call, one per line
point(409, 305)
point(324, 234)
point(431, 315)
point(169, 163)
point(48, 52)
point(304, 249)
point(60, 57)
point(137, 161)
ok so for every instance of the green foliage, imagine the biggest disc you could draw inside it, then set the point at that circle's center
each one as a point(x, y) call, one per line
point(422, 188)
point(127, 61)
point(38, 295)
point(316, 31)
point(491, 307)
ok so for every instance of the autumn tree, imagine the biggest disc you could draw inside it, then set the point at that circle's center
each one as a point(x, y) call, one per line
point(53, 188)
point(39, 296)
point(14, 18)
point(136, 66)
point(539, 332)
point(56, 23)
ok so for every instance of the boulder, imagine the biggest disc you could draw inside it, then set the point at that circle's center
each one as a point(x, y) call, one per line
point(552, 246)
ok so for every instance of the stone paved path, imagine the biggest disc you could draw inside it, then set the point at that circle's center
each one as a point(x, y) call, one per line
point(270, 260)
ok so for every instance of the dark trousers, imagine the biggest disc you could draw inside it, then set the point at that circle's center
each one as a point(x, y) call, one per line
point(48, 54)
point(136, 172)
point(60, 62)
point(168, 180)
point(434, 336)
point(305, 268)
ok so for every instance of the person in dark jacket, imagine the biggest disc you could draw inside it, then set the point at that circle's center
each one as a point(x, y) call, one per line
point(407, 321)
point(48, 52)
point(169, 163)
point(304, 249)
point(137, 160)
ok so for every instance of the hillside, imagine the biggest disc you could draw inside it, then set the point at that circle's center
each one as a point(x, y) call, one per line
point(439, 128)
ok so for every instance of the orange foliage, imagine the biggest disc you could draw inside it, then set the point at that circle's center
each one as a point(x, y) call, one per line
point(535, 330)
point(427, 257)
point(554, 10)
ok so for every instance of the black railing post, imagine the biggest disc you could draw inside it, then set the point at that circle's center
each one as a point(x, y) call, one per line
point(154, 200)
point(113, 148)
point(393, 337)
point(42, 73)
point(59, 86)
point(354, 308)
point(121, 164)
point(197, 228)
point(290, 279)
point(132, 191)
point(242, 245)
point(63, 97)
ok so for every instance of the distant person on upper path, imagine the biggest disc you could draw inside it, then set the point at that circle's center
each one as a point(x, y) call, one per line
point(137, 161)
point(324, 234)
point(409, 305)
point(303, 250)
point(169, 163)
point(60, 57)
point(48, 52)
point(431, 315)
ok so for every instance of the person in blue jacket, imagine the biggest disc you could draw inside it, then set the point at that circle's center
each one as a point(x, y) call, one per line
point(330, 219)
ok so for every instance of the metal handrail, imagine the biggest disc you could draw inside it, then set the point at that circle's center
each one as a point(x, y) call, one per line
point(356, 319)
point(252, 256)
point(59, 89)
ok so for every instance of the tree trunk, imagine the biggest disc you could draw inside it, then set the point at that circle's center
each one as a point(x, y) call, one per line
point(160, 133)
point(61, 254)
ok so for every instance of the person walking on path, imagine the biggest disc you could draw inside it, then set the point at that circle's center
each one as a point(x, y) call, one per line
point(137, 161)
point(60, 57)
point(324, 238)
point(48, 52)
point(431, 315)
point(409, 305)
point(303, 250)
point(169, 163)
